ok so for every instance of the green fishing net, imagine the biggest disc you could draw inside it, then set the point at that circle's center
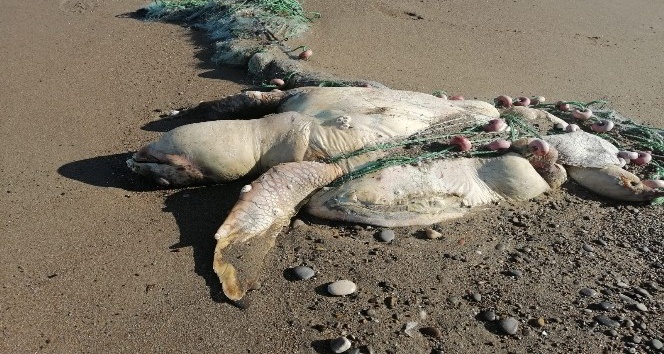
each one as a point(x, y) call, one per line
point(434, 142)
point(239, 29)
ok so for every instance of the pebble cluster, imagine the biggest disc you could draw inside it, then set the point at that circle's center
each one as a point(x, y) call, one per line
point(551, 247)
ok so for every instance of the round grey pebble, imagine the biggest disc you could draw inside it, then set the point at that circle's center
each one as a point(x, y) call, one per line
point(386, 235)
point(509, 325)
point(340, 345)
point(636, 339)
point(605, 321)
point(488, 315)
point(500, 247)
point(588, 292)
point(303, 273)
point(476, 297)
point(341, 288)
point(656, 343)
point(641, 307)
point(588, 248)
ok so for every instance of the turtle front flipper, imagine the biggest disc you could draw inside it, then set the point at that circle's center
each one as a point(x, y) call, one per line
point(264, 207)
point(615, 183)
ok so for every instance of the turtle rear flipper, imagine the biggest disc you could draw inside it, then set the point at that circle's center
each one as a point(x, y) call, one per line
point(264, 207)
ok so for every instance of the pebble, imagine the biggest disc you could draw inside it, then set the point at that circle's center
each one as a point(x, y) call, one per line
point(606, 306)
point(641, 307)
point(432, 234)
point(432, 332)
point(588, 248)
point(636, 339)
point(340, 345)
point(588, 292)
point(509, 325)
point(297, 223)
point(409, 327)
point(354, 351)
point(477, 297)
point(605, 321)
point(341, 288)
point(386, 235)
point(303, 273)
point(541, 322)
point(627, 299)
point(500, 247)
point(514, 273)
point(642, 291)
point(488, 315)
point(621, 284)
point(656, 343)
point(601, 242)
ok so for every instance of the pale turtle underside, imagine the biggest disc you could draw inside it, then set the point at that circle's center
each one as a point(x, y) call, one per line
point(583, 149)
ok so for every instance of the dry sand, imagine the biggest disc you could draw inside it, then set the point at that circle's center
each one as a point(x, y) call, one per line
point(97, 260)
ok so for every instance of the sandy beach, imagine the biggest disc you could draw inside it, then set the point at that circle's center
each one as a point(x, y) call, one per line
point(96, 259)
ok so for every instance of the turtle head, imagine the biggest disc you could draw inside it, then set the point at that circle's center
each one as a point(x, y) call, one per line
point(165, 169)
point(615, 183)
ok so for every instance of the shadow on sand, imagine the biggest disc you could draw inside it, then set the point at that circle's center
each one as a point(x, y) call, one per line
point(198, 211)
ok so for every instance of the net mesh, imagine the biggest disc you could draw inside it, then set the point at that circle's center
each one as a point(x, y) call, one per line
point(239, 28)
point(434, 142)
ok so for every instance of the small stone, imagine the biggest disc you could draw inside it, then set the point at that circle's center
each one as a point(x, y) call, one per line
point(432, 234)
point(409, 327)
point(541, 322)
point(656, 343)
point(613, 333)
point(588, 292)
point(588, 248)
point(514, 273)
point(509, 325)
point(636, 339)
point(432, 332)
point(606, 306)
point(601, 242)
point(297, 223)
point(605, 321)
point(500, 247)
point(621, 284)
point(627, 299)
point(641, 307)
point(391, 302)
point(629, 323)
point(303, 273)
point(341, 288)
point(340, 345)
point(454, 300)
point(354, 351)
point(477, 297)
point(386, 235)
point(488, 315)
point(642, 291)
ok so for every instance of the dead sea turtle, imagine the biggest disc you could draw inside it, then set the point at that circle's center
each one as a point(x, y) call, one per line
point(292, 150)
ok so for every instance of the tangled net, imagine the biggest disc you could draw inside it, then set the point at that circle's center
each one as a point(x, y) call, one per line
point(434, 142)
point(239, 29)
